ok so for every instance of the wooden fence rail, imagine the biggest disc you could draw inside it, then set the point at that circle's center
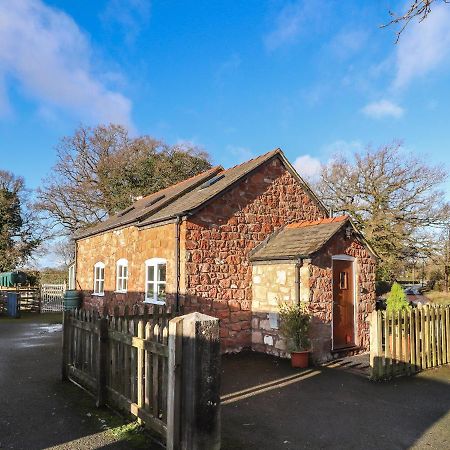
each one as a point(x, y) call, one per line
point(132, 364)
point(406, 342)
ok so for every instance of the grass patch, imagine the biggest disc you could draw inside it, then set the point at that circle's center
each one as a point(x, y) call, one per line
point(439, 298)
point(132, 433)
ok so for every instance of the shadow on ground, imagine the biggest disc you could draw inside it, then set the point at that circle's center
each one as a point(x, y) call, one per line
point(268, 405)
point(37, 410)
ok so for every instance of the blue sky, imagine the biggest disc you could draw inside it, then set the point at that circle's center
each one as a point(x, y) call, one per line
point(238, 78)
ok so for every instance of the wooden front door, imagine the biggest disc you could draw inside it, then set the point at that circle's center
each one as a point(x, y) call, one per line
point(343, 304)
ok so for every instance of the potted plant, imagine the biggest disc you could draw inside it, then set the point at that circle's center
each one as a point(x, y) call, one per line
point(295, 321)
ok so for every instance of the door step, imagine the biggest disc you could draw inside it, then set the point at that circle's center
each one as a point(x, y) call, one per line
point(346, 351)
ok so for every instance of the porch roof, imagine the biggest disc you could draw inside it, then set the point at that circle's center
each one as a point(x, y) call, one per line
point(298, 240)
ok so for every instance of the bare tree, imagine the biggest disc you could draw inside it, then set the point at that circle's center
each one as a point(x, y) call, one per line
point(101, 170)
point(419, 9)
point(393, 197)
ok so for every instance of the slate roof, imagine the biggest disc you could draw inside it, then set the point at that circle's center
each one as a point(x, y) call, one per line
point(149, 204)
point(298, 240)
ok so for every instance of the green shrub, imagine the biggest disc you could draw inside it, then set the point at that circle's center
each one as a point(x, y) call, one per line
point(295, 321)
point(396, 299)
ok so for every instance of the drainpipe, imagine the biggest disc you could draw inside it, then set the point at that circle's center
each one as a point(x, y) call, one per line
point(177, 263)
point(298, 264)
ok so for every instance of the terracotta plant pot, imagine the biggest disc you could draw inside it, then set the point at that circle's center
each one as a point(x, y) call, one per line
point(300, 359)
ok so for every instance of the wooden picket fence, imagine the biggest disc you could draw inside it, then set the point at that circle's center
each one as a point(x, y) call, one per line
point(409, 341)
point(122, 360)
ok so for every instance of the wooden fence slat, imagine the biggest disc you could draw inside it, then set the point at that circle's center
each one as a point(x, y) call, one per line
point(409, 340)
point(155, 367)
point(417, 338)
point(407, 337)
point(148, 369)
point(438, 335)
point(133, 369)
point(387, 346)
point(447, 328)
point(140, 367)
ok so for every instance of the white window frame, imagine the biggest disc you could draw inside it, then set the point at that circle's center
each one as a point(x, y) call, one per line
point(121, 279)
point(71, 277)
point(154, 262)
point(100, 280)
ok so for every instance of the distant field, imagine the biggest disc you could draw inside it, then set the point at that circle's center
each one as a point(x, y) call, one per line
point(441, 298)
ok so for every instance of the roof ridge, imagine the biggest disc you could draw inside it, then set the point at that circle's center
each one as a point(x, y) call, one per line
point(212, 169)
point(325, 220)
point(264, 155)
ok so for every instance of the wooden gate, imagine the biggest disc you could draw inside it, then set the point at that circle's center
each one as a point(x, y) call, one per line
point(52, 296)
point(164, 372)
point(406, 342)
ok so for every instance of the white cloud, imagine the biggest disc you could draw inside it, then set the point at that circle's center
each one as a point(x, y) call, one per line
point(291, 21)
point(46, 53)
point(423, 47)
point(308, 166)
point(383, 108)
point(129, 16)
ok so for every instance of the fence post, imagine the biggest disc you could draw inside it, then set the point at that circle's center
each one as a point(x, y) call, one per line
point(174, 383)
point(200, 387)
point(376, 349)
point(66, 345)
point(102, 346)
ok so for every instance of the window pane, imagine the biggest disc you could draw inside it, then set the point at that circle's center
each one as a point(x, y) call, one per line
point(125, 284)
point(161, 272)
point(150, 273)
point(101, 287)
point(102, 273)
point(150, 291)
point(162, 292)
point(125, 271)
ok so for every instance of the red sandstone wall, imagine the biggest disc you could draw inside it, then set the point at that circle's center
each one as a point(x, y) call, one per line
point(136, 246)
point(220, 236)
point(322, 292)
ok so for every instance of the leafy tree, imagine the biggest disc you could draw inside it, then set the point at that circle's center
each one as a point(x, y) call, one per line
point(396, 299)
point(19, 235)
point(393, 198)
point(102, 170)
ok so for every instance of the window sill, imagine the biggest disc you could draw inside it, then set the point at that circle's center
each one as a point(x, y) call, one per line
point(120, 292)
point(154, 302)
point(98, 294)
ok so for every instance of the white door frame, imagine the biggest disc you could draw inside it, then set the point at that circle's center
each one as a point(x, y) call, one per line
point(355, 295)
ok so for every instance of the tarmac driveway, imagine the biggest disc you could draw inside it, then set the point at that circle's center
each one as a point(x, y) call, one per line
point(268, 405)
point(37, 410)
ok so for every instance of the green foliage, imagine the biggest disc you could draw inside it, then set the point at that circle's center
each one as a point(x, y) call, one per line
point(295, 321)
point(102, 170)
point(18, 237)
point(382, 287)
point(396, 299)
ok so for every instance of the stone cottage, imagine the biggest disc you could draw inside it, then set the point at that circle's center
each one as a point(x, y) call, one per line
point(190, 246)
